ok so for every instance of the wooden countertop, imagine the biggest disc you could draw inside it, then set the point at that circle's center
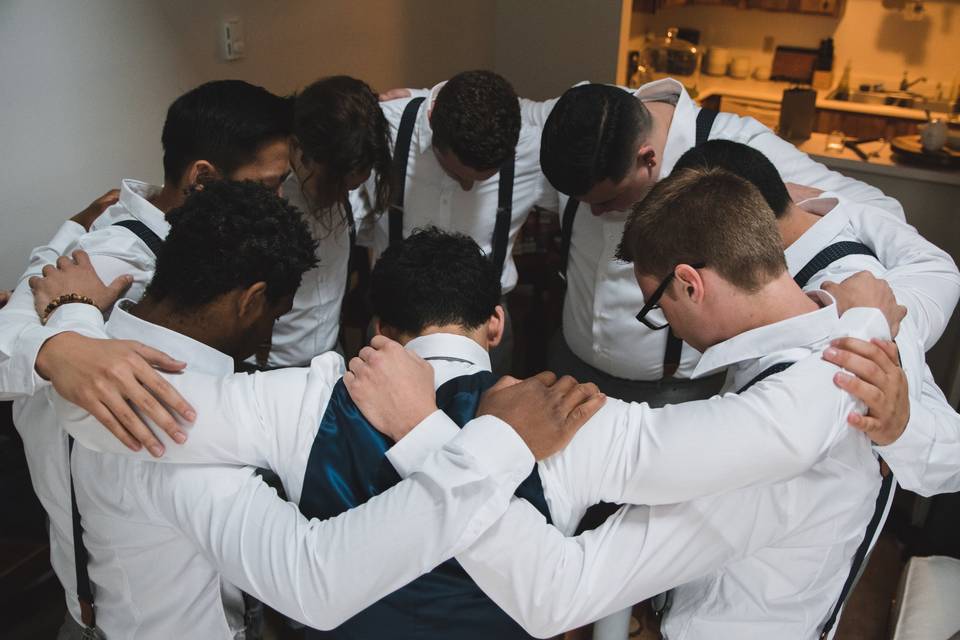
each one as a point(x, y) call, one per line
point(881, 164)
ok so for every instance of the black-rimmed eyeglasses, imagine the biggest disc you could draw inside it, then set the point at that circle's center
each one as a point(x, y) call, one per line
point(654, 301)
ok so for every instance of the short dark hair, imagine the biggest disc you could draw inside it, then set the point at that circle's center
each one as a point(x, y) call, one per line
point(744, 161)
point(339, 124)
point(705, 215)
point(591, 135)
point(477, 116)
point(231, 235)
point(434, 278)
point(225, 122)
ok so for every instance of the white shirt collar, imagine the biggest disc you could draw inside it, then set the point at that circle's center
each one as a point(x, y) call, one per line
point(199, 357)
point(135, 198)
point(798, 331)
point(450, 347)
point(683, 129)
point(816, 238)
point(423, 133)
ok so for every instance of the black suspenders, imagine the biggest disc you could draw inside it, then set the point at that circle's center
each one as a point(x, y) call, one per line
point(401, 156)
point(80, 557)
point(142, 231)
point(828, 256)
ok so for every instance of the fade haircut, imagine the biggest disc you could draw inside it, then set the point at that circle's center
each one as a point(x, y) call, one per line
point(339, 124)
point(744, 161)
point(225, 122)
point(477, 117)
point(705, 215)
point(434, 278)
point(228, 236)
point(592, 135)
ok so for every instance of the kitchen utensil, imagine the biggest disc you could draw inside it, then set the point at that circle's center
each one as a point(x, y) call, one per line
point(909, 149)
point(717, 60)
point(761, 73)
point(670, 56)
point(835, 142)
point(933, 135)
point(740, 67)
point(797, 112)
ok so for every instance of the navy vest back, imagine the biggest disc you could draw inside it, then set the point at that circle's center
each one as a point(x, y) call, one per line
point(347, 467)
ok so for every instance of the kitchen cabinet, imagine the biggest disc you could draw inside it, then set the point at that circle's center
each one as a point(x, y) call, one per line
point(862, 125)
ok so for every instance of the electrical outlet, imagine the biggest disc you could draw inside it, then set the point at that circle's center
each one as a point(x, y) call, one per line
point(232, 44)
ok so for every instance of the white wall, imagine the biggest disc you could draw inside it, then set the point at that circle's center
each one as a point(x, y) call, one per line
point(85, 87)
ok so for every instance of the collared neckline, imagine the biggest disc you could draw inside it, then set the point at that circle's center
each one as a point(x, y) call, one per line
point(199, 357)
point(135, 198)
point(450, 346)
point(796, 332)
point(424, 132)
point(682, 134)
point(816, 238)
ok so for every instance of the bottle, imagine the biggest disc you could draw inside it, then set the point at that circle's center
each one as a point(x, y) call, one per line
point(843, 87)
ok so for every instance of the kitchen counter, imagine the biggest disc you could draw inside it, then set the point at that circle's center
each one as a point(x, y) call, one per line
point(772, 91)
point(882, 164)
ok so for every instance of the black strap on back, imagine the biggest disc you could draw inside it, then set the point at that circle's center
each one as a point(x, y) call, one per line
point(671, 355)
point(401, 156)
point(886, 486)
point(501, 231)
point(80, 557)
point(566, 232)
point(766, 373)
point(142, 231)
point(828, 256)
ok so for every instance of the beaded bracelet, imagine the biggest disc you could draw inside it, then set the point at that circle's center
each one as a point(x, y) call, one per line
point(67, 298)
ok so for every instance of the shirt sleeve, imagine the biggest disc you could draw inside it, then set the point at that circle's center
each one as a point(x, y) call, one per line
point(924, 278)
point(68, 233)
point(550, 583)
point(797, 167)
point(323, 572)
point(926, 457)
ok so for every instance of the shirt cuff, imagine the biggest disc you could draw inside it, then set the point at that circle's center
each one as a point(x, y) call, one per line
point(914, 443)
point(82, 318)
point(409, 454)
point(496, 446)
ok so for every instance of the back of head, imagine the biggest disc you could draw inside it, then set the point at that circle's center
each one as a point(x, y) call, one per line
point(338, 124)
point(591, 135)
point(477, 116)
point(224, 122)
point(434, 278)
point(705, 215)
point(229, 236)
point(744, 161)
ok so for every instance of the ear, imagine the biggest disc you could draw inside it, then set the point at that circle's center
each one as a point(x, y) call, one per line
point(252, 303)
point(689, 283)
point(495, 326)
point(199, 174)
point(646, 157)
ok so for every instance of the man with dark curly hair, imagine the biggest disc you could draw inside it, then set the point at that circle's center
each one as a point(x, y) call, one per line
point(465, 161)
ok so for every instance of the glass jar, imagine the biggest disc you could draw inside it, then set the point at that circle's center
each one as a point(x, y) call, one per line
point(670, 57)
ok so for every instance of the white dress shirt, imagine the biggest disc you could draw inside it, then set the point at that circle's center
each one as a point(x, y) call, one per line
point(312, 325)
point(926, 457)
point(602, 296)
point(631, 453)
point(434, 198)
point(164, 538)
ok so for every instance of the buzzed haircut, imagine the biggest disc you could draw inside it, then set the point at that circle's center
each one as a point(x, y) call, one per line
point(228, 236)
point(744, 161)
point(592, 135)
point(339, 125)
point(477, 117)
point(705, 215)
point(225, 122)
point(434, 278)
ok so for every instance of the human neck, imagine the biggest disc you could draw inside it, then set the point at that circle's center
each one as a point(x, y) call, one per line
point(199, 325)
point(794, 223)
point(170, 197)
point(661, 114)
point(477, 335)
point(778, 300)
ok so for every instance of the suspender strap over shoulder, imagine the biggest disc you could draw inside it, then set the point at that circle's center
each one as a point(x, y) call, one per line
point(142, 231)
point(880, 508)
point(501, 231)
point(566, 232)
point(84, 588)
point(766, 373)
point(828, 256)
point(704, 124)
point(401, 156)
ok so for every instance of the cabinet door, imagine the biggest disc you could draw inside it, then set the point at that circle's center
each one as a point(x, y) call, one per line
point(821, 7)
point(766, 112)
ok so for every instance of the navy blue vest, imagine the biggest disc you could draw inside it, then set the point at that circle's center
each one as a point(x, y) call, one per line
point(347, 467)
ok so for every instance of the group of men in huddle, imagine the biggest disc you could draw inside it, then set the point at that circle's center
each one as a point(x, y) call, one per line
point(722, 389)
